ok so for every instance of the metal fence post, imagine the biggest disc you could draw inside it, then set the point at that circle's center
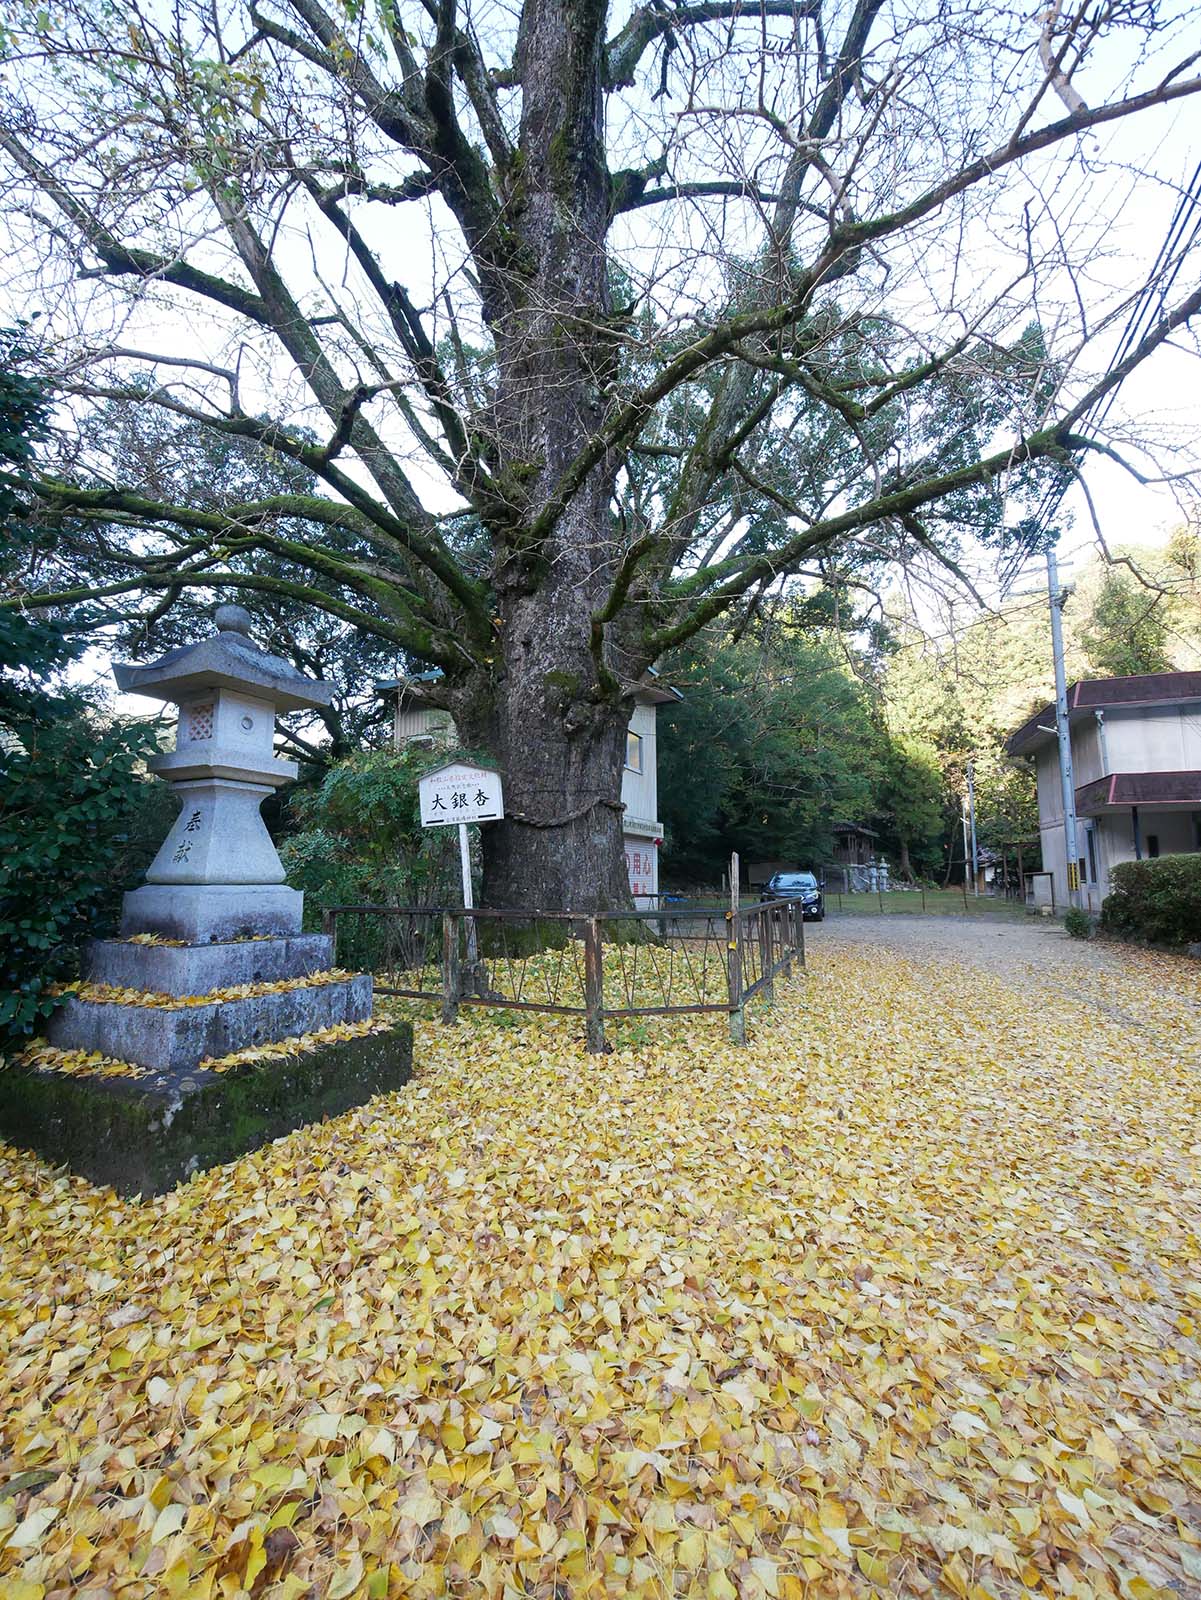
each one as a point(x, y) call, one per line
point(450, 968)
point(594, 989)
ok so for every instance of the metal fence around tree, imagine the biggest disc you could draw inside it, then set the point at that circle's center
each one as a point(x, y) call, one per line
point(625, 965)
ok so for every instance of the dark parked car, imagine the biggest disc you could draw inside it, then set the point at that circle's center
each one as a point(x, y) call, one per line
point(797, 885)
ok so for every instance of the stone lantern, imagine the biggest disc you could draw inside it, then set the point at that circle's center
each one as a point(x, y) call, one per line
point(205, 1074)
point(218, 875)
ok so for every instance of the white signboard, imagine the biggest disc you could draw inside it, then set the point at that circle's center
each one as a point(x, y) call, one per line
point(459, 792)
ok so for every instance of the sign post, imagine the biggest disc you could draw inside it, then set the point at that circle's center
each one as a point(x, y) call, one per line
point(468, 902)
point(452, 796)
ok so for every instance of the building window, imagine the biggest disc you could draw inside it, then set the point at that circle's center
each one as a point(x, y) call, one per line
point(1091, 836)
point(633, 751)
point(1152, 845)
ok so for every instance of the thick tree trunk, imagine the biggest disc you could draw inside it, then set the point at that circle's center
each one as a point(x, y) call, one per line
point(904, 867)
point(560, 845)
point(556, 706)
point(559, 741)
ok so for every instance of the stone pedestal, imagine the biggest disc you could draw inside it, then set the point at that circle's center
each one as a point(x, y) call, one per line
point(199, 969)
point(213, 913)
point(181, 1037)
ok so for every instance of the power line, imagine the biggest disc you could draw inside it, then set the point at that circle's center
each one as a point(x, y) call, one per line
point(1002, 612)
point(1144, 310)
point(1148, 306)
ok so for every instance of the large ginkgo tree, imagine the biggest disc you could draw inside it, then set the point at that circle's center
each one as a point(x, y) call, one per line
point(590, 325)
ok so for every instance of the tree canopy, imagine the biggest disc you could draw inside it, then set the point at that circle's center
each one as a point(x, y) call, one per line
point(1127, 629)
point(773, 741)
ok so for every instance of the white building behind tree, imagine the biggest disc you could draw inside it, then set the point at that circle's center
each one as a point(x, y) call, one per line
point(642, 832)
point(1136, 758)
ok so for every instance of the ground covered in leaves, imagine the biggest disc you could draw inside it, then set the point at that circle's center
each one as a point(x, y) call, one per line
point(901, 1300)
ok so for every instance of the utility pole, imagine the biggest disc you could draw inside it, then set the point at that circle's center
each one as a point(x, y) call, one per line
point(971, 807)
point(1062, 728)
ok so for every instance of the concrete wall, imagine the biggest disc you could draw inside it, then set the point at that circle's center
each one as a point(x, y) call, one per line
point(1153, 739)
point(1086, 752)
point(1055, 858)
point(640, 790)
point(1050, 791)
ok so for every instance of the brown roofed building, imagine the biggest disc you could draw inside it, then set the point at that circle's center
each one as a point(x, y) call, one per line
point(1136, 758)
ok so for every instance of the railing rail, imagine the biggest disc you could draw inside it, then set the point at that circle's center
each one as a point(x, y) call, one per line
point(619, 966)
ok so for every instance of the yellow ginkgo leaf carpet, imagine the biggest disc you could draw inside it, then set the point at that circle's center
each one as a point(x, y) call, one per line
point(903, 1299)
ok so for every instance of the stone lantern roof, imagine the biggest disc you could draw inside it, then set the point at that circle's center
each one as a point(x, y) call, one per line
point(227, 660)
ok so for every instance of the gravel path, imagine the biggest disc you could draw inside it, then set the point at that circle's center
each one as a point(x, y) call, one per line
point(995, 941)
point(1155, 995)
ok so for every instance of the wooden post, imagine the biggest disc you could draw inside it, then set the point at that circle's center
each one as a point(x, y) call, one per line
point(594, 989)
point(787, 938)
point(800, 933)
point(450, 968)
point(329, 927)
point(766, 919)
point(734, 958)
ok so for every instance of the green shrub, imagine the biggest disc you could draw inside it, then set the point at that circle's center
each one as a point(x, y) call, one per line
point(1077, 923)
point(1159, 900)
point(71, 791)
point(360, 842)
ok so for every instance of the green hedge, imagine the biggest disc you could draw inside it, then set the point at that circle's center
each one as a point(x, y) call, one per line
point(70, 797)
point(1159, 900)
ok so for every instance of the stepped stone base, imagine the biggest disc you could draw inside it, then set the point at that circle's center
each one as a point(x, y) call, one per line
point(201, 968)
point(177, 1040)
point(143, 1136)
